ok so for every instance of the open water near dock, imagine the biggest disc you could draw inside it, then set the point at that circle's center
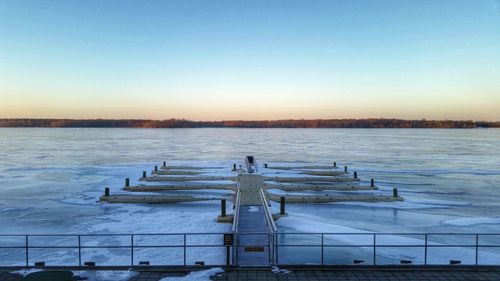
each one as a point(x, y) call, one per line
point(51, 178)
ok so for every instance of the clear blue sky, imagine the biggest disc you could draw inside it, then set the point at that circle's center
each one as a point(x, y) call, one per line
point(208, 60)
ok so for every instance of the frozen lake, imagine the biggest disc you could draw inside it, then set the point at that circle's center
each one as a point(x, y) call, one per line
point(51, 178)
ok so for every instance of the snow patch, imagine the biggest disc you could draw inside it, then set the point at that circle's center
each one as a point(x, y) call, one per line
point(202, 275)
point(472, 221)
point(105, 275)
point(25, 272)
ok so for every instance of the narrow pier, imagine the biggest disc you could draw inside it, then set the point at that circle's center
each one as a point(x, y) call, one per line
point(253, 222)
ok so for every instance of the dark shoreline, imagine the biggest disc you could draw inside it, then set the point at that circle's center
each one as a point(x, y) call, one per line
point(288, 123)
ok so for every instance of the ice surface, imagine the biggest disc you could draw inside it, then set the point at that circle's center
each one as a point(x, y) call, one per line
point(52, 179)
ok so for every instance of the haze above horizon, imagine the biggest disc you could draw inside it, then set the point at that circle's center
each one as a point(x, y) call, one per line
point(250, 60)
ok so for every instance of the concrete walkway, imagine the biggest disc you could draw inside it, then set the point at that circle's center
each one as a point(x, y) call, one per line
point(362, 275)
point(338, 274)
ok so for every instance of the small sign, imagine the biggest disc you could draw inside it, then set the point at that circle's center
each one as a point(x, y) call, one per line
point(254, 249)
point(228, 239)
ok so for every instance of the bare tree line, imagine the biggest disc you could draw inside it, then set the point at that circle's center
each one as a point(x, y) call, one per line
point(289, 123)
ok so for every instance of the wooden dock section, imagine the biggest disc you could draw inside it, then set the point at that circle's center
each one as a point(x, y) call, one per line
point(332, 198)
point(320, 187)
point(156, 188)
point(193, 178)
point(309, 179)
point(155, 199)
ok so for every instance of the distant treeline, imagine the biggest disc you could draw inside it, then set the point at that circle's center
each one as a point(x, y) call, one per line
point(182, 123)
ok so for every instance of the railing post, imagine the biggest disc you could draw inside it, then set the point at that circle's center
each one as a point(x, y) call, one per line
point(426, 243)
point(27, 255)
point(477, 249)
point(322, 249)
point(277, 248)
point(79, 250)
point(184, 248)
point(132, 250)
point(374, 249)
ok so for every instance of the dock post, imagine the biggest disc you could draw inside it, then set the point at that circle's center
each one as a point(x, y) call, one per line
point(164, 164)
point(156, 168)
point(234, 166)
point(355, 175)
point(335, 164)
point(265, 165)
point(223, 207)
point(143, 174)
point(127, 182)
point(372, 183)
point(106, 191)
point(282, 205)
point(394, 192)
point(345, 169)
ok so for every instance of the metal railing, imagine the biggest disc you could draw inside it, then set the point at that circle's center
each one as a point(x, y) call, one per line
point(132, 243)
point(285, 248)
point(383, 245)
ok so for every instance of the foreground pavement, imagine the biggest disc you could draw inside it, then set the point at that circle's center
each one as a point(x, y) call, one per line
point(361, 275)
point(321, 274)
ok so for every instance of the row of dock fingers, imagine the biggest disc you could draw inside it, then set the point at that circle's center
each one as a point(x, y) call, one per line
point(198, 178)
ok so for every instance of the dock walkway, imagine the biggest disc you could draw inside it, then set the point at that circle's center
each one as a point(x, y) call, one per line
point(252, 222)
point(253, 244)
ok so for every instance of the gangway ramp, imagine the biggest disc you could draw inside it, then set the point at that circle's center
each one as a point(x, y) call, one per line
point(253, 223)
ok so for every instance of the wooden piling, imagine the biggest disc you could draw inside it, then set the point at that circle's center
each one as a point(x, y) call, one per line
point(282, 205)
point(335, 164)
point(234, 166)
point(143, 174)
point(372, 183)
point(127, 182)
point(355, 175)
point(394, 192)
point(156, 168)
point(345, 169)
point(164, 164)
point(106, 191)
point(223, 207)
point(265, 165)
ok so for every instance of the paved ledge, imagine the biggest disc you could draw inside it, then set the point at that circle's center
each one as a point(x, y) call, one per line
point(365, 274)
point(334, 273)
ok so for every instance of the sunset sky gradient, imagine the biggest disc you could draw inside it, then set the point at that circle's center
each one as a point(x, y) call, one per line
point(213, 60)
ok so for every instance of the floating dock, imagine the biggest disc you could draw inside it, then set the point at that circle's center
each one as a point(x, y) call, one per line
point(250, 191)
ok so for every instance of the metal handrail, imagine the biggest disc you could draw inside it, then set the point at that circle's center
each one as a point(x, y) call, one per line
point(275, 243)
point(267, 212)
point(236, 211)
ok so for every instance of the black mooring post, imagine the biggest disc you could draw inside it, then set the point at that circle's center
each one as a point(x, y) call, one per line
point(228, 256)
point(335, 164)
point(223, 207)
point(355, 175)
point(394, 192)
point(345, 169)
point(143, 174)
point(265, 165)
point(156, 168)
point(234, 167)
point(106, 191)
point(127, 182)
point(372, 183)
point(164, 164)
point(282, 205)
